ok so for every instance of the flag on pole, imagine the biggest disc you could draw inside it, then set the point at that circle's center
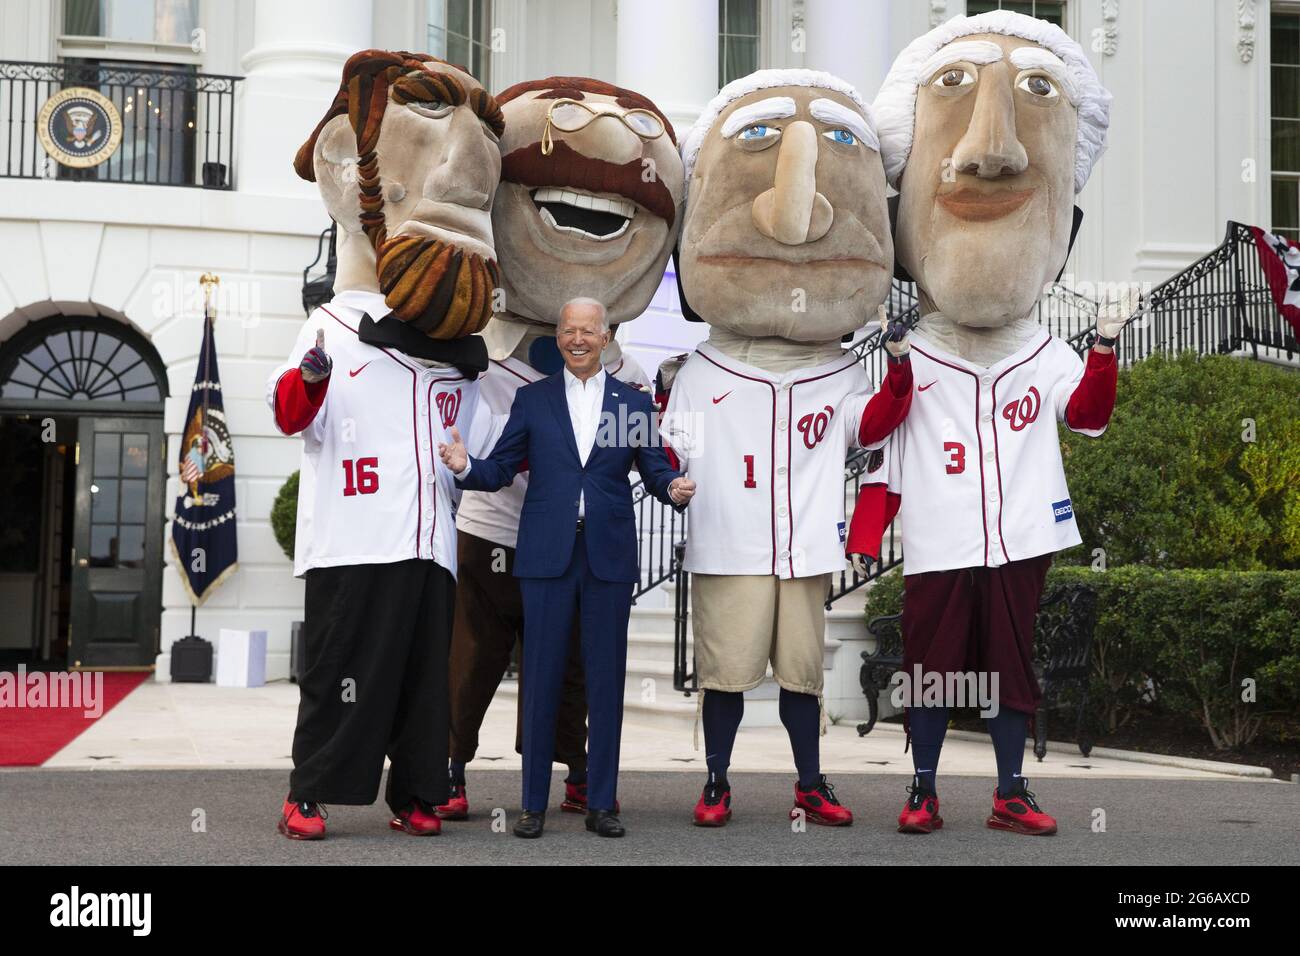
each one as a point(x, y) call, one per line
point(203, 529)
point(1280, 260)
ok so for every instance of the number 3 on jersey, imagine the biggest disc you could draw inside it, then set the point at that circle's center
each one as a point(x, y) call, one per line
point(361, 477)
point(956, 452)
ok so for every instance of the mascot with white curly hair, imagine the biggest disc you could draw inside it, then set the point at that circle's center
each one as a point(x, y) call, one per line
point(989, 126)
point(785, 248)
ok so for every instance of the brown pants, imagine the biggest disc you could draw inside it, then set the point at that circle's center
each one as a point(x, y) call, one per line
point(489, 620)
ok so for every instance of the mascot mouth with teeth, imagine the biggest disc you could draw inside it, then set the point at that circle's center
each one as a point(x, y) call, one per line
point(590, 179)
point(588, 207)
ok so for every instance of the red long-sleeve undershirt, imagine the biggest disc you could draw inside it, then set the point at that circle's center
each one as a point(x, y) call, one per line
point(889, 406)
point(297, 402)
point(1093, 400)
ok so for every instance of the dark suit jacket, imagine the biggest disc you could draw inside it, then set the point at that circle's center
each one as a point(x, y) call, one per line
point(540, 431)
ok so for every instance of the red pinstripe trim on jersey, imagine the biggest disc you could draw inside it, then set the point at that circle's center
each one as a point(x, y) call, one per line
point(506, 368)
point(997, 458)
point(789, 476)
point(772, 427)
point(400, 361)
point(428, 421)
point(984, 519)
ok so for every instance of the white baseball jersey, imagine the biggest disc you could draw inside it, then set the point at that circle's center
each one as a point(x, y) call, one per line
point(978, 459)
point(371, 488)
point(767, 454)
point(495, 516)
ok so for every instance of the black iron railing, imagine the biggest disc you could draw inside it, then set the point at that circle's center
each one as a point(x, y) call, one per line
point(178, 125)
point(1221, 303)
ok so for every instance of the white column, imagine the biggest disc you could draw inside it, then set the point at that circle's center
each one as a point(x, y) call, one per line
point(668, 51)
point(291, 75)
point(850, 39)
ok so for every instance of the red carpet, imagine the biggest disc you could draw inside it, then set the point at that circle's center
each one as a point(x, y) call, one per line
point(54, 710)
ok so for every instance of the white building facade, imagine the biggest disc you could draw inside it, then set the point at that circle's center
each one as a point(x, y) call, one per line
point(1207, 105)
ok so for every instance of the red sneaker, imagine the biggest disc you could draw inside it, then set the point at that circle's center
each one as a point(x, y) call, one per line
point(457, 808)
point(302, 821)
point(416, 821)
point(714, 807)
point(921, 812)
point(820, 806)
point(575, 798)
point(1020, 813)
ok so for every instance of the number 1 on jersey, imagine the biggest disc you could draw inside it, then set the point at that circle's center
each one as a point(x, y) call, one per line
point(749, 472)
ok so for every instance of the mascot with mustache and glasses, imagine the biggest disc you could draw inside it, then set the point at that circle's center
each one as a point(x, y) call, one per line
point(407, 163)
point(989, 126)
point(785, 248)
point(588, 206)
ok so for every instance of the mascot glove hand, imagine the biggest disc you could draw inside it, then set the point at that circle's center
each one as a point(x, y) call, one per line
point(316, 365)
point(893, 334)
point(861, 564)
point(1114, 312)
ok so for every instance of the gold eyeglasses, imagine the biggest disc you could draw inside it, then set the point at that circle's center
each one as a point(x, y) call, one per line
point(569, 116)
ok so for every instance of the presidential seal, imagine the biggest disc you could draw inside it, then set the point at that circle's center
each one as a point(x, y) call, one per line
point(79, 127)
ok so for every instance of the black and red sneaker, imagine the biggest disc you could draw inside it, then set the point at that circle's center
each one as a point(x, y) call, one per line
point(921, 812)
point(417, 819)
point(575, 798)
point(302, 820)
point(1019, 812)
point(714, 806)
point(456, 807)
point(818, 805)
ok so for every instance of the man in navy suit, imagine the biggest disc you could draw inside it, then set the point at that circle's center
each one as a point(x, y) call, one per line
point(580, 432)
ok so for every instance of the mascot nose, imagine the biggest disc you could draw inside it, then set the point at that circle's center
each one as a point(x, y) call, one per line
point(471, 167)
point(793, 211)
point(990, 147)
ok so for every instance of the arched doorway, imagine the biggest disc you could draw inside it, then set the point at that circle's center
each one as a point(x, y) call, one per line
point(81, 425)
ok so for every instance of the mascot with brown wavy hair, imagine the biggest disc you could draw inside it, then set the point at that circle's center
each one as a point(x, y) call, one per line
point(407, 163)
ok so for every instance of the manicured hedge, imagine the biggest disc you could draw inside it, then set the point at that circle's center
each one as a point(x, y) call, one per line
point(1200, 467)
point(284, 515)
point(1182, 641)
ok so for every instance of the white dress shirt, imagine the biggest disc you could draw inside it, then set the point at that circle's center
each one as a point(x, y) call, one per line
point(586, 400)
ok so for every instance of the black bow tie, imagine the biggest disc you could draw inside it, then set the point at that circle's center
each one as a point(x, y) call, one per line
point(468, 354)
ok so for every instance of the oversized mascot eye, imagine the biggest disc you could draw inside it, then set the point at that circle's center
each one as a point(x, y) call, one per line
point(758, 132)
point(954, 77)
point(1038, 85)
point(841, 136)
point(435, 109)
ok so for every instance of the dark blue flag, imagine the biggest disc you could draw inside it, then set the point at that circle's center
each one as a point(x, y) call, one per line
point(203, 531)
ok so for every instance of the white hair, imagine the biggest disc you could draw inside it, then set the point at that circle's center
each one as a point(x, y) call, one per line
point(588, 302)
point(895, 104)
point(762, 80)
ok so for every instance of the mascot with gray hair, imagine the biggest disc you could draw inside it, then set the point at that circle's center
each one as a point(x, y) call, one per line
point(785, 248)
point(989, 127)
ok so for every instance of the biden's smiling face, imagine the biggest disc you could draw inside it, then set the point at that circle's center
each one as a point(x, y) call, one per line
point(987, 195)
point(787, 230)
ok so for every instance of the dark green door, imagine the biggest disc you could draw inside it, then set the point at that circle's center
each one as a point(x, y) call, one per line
point(118, 539)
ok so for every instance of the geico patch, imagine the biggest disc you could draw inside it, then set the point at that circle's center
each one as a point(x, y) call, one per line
point(1062, 510)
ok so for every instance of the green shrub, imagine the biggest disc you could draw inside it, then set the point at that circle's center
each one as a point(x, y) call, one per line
point(1175, 483)
point(1182, 641)
point(284, 515)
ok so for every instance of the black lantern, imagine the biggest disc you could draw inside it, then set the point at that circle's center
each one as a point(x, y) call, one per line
point(319, 290)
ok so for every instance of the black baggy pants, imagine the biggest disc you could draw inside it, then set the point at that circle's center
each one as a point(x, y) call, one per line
point(374, 683)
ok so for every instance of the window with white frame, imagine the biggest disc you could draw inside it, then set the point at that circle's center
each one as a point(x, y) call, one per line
point(460, 32)
point(739, 38)
point(137, 21)
point(1284, 77)
point(1053, 11)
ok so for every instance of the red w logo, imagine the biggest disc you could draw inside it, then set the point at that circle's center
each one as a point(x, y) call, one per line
point(813, 427)
point(448, 406)
point(1023, 412)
